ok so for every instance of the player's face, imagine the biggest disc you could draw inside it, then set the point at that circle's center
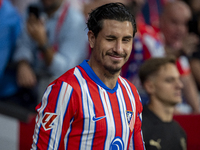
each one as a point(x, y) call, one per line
point(167, 85)
point(112, 46)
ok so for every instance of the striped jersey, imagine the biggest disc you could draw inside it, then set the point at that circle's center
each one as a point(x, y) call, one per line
point(79, 112)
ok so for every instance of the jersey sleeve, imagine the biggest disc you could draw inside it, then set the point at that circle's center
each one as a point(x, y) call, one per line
point(55, 114)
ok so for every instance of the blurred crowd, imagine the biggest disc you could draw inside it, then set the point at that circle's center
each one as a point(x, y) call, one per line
point(42, 39)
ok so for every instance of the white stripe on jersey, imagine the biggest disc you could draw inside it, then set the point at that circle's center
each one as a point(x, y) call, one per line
point(109, 117)
point(88, 112)
point(61, 107)
point(122, 107)
point(40, 115)
point(67, 134)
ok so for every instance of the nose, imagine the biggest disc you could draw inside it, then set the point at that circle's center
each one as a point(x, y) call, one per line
point(118, 46)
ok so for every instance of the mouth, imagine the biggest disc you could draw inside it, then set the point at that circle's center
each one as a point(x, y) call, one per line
point(116, 57)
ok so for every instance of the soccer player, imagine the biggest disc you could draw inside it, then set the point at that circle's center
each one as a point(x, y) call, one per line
point(161, 80)
point(91, 106)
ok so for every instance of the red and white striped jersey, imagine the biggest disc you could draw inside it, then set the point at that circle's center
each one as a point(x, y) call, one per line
point(79, 112)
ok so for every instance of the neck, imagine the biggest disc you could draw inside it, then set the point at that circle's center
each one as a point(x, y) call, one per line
point(107, 78)
point(162, 111)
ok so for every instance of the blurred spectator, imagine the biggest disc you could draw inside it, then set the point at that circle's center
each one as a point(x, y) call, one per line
point(10, 27)
point(87, 5)
point(152, 10)
point(92, 4)
point(161, 80)
point(21, 5)
point(178, 42)
point(53, 41)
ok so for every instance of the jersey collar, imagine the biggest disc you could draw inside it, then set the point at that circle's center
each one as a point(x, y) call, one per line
point(95, 78)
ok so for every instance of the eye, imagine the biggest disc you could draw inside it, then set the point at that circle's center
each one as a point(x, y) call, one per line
point(110, 39)
point(126, 40)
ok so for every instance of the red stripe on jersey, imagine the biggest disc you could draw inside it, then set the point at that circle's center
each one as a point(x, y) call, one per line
point(77, 125)
point(101, 127)
point(116, 114)
point(71, 110)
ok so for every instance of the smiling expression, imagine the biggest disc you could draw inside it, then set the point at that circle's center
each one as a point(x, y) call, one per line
point(112, 47)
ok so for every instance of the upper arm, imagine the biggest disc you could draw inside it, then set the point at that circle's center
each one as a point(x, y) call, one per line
point(54, 115)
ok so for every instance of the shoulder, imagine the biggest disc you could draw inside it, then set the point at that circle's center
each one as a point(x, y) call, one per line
point(124, 80)
point(133, 90)
point(178, 127)
point(147, 115)
point(68, 77)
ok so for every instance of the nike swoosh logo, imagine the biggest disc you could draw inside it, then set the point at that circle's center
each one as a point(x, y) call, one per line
point(98, 118)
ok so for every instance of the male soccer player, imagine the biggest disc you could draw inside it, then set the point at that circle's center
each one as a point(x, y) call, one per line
point(91, 106)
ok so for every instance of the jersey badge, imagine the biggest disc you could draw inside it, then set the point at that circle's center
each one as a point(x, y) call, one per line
point(49, 120)
point(130, 119)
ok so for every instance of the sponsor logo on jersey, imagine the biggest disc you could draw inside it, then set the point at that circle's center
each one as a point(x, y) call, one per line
point(130, 119)
point(48, 120)
point(117, 144)
point(97, 118)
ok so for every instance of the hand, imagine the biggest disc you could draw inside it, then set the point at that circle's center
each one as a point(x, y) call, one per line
point(36, 30)
point(25, 75)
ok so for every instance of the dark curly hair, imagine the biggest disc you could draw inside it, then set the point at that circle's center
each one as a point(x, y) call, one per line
point(112, 11)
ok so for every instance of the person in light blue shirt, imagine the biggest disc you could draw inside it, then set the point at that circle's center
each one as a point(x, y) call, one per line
point(10, 27)
point(53, 41)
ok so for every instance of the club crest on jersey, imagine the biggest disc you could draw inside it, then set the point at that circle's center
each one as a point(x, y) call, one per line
point(130, 119)
point(48, 120)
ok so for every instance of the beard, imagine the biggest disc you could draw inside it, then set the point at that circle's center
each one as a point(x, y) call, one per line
point(112, 70)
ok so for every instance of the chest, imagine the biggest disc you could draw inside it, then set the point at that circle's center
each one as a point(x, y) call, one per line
point(104, 116)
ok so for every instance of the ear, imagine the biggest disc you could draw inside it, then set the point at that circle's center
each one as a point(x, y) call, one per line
point(91, 38)
point(149, 86)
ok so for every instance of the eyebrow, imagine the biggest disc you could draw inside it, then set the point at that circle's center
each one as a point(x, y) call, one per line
point(112, 36)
